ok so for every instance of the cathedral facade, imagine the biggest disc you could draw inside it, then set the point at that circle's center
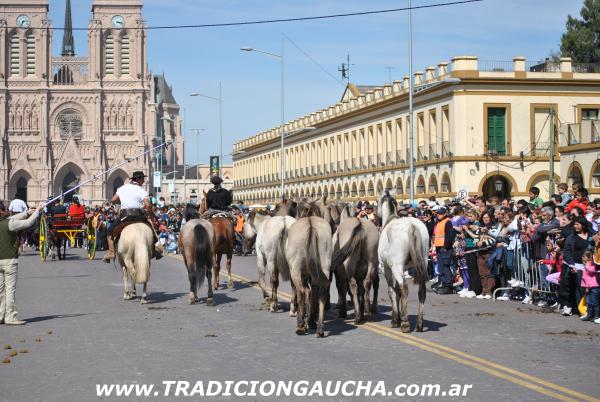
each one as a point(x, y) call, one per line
point(67, 119)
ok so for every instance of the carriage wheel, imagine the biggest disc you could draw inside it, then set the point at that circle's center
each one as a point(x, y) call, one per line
point(43, 238)
point(90, 233)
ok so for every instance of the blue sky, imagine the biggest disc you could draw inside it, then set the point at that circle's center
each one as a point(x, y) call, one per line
point(197, 59)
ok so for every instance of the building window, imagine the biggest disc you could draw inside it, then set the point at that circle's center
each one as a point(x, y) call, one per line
point(125, 55)
point(109, 55)
point(14, 55)
point(496, 124)
point(30, 54)
point(590, 114)
point(596, 175)
point(70, 124)
point(421, 185)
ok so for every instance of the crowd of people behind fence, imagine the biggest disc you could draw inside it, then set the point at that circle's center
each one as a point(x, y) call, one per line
point(532, 250)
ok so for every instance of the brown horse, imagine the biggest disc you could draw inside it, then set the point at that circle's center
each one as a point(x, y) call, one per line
point(224, 244)
point(196, 242)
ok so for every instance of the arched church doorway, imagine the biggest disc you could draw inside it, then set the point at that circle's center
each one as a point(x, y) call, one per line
point(116, 184)
point(69, 182)
point(21, 192)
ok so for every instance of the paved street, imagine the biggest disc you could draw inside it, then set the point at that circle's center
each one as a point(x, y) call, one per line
point(88, 335)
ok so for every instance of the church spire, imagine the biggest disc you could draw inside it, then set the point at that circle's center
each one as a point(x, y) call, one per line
point(68, 47)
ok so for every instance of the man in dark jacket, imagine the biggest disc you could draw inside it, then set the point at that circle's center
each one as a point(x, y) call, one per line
point(218, 198)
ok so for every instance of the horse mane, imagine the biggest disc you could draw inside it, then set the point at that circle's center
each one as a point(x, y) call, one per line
point(191, 212)
point(309, 208)
point(388, 200)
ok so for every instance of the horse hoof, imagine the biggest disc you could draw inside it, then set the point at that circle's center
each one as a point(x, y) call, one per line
point(300, 331)
point(419, 328)
point(229, 285)
point(274, 308)
point(293, 314)
point(143, 301)
point(358, 321)
point(266, 301)
point(210, 302)
point(191, 300)
point(367, 317)
point(405, 327)
point(395, 324)
point(320, 334)
point(127, 297)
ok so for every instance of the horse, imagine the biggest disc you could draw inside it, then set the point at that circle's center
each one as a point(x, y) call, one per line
point(135, 249)
point(224, 244)
point(251, 226)
point(269, 245)
point(286, 207)
point(196, 242)
point(307, 256)
point(336, 212)
point(355, 260)
point(403, 242)
point(55, 244)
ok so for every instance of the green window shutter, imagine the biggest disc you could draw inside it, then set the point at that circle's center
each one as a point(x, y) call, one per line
point(497, 130)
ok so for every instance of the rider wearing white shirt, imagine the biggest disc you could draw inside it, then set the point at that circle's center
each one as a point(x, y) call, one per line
point(17, 206)
point(135, 205)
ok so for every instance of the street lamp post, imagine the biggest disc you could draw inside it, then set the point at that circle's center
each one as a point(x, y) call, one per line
point(281, 129)
point(198, 131)
point(220, 101)
point(170, 120)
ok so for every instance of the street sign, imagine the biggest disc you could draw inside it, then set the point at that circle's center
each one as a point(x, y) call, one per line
point(157, 179)
point(215, 164)
point(462, 193)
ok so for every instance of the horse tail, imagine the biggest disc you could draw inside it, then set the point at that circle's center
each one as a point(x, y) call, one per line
point(280, 259)
point(202, 253)
point(415, 249)
point(313, 257)
point(141, 260)
point(354, 243)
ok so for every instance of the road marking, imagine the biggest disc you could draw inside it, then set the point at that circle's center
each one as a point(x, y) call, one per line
point(497, 370)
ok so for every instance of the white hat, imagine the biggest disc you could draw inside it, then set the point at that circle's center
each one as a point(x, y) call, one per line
point(435, 207)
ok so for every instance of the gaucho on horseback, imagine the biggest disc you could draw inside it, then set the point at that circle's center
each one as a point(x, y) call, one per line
point(218, 199)
point(135, 207)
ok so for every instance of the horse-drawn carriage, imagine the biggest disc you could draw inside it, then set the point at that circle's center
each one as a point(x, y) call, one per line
point(56, 229)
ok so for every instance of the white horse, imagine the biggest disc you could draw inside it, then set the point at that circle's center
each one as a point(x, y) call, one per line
point(270, 241)
point(403, 242)
point(134, 252)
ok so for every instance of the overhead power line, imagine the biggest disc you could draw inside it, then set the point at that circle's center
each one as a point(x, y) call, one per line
point(280, 20)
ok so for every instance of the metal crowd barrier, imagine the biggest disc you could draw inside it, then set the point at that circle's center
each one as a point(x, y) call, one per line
point(529, 275)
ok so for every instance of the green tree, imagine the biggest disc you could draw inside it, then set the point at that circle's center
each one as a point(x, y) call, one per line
point(581, 41)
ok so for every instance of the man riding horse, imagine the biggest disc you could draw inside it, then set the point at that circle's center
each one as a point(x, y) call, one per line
point(135, 207)
point(218, 200)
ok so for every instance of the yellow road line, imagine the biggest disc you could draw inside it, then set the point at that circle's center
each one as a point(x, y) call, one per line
point(497, 370)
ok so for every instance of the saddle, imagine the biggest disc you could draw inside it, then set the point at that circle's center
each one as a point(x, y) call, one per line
point(213, 213)
point(118, 228)
point(128, 217)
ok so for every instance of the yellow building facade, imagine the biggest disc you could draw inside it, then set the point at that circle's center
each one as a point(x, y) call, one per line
point(487, 126)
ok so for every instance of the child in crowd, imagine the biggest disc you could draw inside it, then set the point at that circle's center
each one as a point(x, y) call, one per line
point(590, 281)
point(461, 261)
point(565, 196)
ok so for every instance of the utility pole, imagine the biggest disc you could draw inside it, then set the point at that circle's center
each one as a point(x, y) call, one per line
point(410, 108)
point(551, 179)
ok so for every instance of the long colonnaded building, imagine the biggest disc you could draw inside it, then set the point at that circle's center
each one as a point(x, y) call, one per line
point(487, 126)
